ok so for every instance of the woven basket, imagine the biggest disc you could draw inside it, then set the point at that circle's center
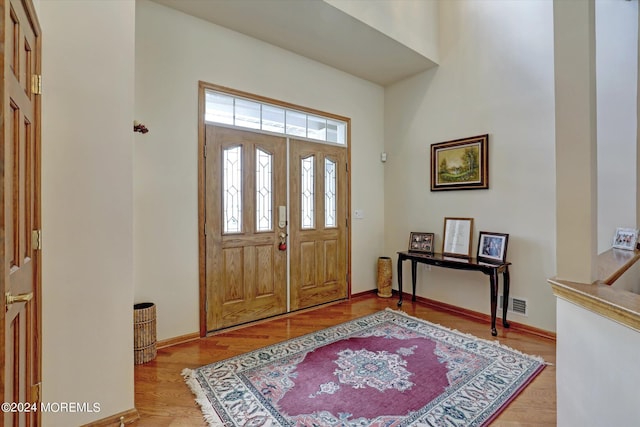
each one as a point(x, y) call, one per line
point(384, 277)
point(144, 332)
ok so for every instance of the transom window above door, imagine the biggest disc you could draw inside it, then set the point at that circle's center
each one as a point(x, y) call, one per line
point(237, 111)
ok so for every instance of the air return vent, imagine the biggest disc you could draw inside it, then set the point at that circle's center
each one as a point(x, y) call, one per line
point(516, 305)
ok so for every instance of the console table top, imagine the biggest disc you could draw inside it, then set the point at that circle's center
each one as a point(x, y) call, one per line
point(434, 258)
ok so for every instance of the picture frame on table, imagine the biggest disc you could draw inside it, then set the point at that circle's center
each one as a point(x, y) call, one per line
point(492, 247)
point(625, 238)
point(421, 242)
point(456, 239)
point(461, 164)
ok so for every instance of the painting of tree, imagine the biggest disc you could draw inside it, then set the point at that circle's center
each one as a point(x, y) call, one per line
point(460, 164)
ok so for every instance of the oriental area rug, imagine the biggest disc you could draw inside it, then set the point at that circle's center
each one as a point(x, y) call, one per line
point(385, 369)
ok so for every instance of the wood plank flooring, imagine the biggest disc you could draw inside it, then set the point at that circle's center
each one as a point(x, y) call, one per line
point(163, 399)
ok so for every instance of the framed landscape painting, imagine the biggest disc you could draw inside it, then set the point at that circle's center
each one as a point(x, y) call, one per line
point(462, 164)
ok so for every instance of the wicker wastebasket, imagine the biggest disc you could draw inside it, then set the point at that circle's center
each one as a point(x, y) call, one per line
point(144, 332)
point(384, 277)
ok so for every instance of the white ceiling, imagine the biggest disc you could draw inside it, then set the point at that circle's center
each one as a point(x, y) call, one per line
point(316, 30)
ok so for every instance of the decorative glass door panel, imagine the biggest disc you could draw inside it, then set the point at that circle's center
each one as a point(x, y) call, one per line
point(246, 271)
point(264, 190)
point(318, 180)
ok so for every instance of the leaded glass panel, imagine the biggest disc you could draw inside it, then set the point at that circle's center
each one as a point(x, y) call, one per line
point(232, 189)
point(330, 194)
point(307, 193)
point(264, 191)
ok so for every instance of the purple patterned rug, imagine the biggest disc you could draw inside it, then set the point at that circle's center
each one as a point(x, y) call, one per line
point(386, 369)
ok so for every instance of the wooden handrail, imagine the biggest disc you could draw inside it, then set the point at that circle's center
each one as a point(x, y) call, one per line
point(613, 263)
point(618, 305)
point(600, 297)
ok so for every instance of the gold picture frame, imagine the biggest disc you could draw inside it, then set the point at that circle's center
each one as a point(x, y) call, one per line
point(456, 239)
point(461, 164)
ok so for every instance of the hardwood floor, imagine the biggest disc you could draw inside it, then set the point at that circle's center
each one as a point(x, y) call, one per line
point(163, 399)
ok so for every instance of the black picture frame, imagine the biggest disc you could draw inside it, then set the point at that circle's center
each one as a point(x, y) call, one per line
point(492, 247)
point(421, 242)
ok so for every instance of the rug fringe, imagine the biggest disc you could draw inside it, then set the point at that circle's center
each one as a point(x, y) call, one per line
point(464, 334)
point(210, 415)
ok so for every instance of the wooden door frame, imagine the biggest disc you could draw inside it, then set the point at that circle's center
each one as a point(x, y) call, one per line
point(202, 267)
point(37, 212)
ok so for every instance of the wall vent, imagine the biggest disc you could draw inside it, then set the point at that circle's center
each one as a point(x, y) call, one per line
point(516, 305)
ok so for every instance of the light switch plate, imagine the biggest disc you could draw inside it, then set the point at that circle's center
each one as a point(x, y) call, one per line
point(358, 214)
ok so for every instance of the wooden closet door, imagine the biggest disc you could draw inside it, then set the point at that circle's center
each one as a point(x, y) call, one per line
point(20, 176)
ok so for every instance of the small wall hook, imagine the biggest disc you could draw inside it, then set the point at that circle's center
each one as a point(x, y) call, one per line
point(139, 127)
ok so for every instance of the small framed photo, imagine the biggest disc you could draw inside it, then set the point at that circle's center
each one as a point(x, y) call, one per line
point(492, 247)
point(625, 238)
point(421, 242)
point(457, 237)
point(461, 164)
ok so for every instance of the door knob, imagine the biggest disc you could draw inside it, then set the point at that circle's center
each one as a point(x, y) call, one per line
point(11, 299)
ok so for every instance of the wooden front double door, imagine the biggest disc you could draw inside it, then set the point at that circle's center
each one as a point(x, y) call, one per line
point(275, 225)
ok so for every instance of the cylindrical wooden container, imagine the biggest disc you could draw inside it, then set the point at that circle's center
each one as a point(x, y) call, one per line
point(144, 332)
point(384, 277)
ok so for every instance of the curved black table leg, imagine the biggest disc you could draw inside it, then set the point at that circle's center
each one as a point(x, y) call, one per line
point(400, 280)
point(493, 277)
point(505, 280)
point(414, 266)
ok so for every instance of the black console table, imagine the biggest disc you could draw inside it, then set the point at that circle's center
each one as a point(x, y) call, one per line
point(439, 260)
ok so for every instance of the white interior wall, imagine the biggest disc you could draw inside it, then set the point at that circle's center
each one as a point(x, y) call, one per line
point(608, 352)
point(173, 52)
point(616, 87)
point(87, 206)
point(413, 23)
point(495, 76)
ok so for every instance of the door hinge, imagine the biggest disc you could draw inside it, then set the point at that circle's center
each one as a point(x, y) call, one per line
point(36, 84)
point(36, 392)
point(205, 229)
point(36, 239)
point(204, 150)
